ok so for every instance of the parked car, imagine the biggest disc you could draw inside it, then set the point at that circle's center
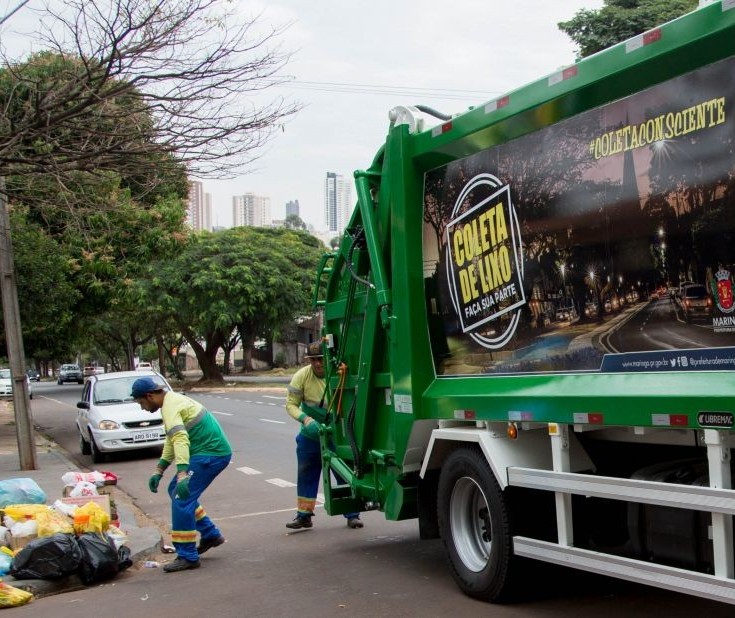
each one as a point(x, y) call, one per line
point(144, 366)
point(70, 373)
point(33, 375)
point(695, 302)
point(109, 420)
point(6, 384)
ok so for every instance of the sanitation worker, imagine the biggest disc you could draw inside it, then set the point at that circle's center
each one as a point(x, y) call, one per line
point(304, 403)
point(198, 447)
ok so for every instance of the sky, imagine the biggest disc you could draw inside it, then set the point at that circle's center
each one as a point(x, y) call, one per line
point(354, 61)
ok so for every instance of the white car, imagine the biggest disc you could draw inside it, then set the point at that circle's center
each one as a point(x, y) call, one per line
point(109, 420)
point(144, 366)
point(6, 384)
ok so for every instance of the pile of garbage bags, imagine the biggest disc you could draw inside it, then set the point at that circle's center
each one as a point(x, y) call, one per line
point(92, 556)
point(51, 542)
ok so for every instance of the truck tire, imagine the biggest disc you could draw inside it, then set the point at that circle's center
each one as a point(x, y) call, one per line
point(475, 526)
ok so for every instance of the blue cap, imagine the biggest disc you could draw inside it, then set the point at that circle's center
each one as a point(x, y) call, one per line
point(145, 385)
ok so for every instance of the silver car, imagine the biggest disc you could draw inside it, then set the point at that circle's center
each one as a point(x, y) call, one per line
point(109, 420)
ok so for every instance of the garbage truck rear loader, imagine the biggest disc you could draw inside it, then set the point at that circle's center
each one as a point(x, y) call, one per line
point(513, 356)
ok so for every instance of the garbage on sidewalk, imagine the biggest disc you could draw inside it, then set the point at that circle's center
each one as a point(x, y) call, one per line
point(71, 478)
point(10, 596)
point(78, 534)
point(21, 491)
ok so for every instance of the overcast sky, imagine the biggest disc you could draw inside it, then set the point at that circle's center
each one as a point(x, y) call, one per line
point(366, 58)
point(354, 61)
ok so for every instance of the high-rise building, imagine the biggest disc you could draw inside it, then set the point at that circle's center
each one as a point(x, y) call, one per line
point(251, 209)
point(207, 213)
point(337, 202)
point(292, 208)
point(199, 207)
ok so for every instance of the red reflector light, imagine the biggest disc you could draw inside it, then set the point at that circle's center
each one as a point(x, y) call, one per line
point(652, 36)
point(681, 420)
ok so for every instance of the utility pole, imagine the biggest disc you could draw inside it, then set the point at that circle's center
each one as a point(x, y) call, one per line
point(14, 341)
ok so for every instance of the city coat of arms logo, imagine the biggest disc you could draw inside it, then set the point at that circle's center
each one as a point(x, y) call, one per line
point(723, 291)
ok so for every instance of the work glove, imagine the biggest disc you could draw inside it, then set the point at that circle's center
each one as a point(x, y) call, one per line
point(154, 481)
point(311, 430)
point(182, 486)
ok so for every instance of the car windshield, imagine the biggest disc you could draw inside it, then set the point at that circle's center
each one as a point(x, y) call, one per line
point(4, 374)
point(114, 391)
point(70, 367)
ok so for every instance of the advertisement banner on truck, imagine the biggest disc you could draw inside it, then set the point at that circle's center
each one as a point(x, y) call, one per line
point(590, 243)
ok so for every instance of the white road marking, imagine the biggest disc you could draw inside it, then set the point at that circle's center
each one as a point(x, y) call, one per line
point(220, 413)
point(246, 470)
point(68, 405)
point(243, 515)
point(270, 420)
point(280, 483)
point(274, 397)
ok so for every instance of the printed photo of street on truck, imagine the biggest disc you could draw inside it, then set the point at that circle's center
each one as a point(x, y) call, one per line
point(605, 242)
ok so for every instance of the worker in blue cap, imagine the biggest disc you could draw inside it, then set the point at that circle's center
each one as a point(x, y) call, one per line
point(197, 445)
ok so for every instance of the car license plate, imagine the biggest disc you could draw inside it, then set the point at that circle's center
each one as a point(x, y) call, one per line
point(146, 436)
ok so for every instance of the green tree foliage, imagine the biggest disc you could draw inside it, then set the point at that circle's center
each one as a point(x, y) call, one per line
point(46, 297)
point(107, 225)
point(248, 278)
point(294, 222)
point(618, 20)
point(99, 130)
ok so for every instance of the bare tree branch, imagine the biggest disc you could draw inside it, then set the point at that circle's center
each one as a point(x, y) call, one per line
point(122, 79)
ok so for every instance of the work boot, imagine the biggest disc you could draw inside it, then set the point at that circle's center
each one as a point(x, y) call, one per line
point(300, 521)
point(354, 522)
point(207, 544)
point(180, 564)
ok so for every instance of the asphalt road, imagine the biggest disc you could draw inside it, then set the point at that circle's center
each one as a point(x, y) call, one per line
point(263, 570)
point(660, 325)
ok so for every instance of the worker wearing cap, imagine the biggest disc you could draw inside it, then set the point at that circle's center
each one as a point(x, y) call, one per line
point(304, 403)
point(197, 445)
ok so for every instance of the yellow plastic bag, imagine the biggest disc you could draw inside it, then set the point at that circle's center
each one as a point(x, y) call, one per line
point(91, 517)
point(21, 512)
point(50, 522)
point(10, 596)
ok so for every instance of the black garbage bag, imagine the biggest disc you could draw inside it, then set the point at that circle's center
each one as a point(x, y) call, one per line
point(48, 557)
point(99, 558)
point(124, 561)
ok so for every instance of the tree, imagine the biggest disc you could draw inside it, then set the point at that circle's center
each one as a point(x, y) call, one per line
point(46, 296)
point(618, 20)
point(179, 71)
point(294, 222)
point(247, 278)
point(189, 75)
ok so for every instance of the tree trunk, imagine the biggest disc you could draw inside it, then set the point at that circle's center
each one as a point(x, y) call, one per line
point(207, 357)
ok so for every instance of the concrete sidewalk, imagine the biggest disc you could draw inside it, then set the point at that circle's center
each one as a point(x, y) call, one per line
point(144, 538)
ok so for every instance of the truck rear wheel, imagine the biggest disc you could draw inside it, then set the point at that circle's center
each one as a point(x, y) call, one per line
point(475, 526)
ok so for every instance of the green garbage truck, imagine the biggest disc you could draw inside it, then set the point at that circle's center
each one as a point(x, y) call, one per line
point(529, 325)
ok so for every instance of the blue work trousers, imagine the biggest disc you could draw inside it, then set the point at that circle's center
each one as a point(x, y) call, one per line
point(309, 458)
point(187, 515)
